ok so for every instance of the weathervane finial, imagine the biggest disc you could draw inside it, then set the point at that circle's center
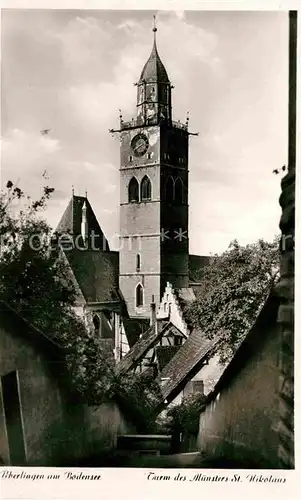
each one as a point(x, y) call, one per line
point(154, 26)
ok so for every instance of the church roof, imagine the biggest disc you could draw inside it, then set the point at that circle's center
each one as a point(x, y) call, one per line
point(70, 222)
point(154, 69)
point(186, 362)
point(96, 273)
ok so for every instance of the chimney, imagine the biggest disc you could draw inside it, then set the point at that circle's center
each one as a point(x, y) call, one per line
point(153, 316)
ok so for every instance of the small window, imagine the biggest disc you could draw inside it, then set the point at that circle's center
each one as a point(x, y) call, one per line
point(149, 156)
point(139, 295)
point(146, 189)
point(138, 262)
point(133, 190)
point(130, 158)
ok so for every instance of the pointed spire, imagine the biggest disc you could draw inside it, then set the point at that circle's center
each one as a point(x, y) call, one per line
point(154, 69)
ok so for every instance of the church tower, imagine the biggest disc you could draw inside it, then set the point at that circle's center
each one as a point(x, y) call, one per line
point(153, 193)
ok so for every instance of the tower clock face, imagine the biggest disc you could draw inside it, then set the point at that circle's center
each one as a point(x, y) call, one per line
point(139, 144)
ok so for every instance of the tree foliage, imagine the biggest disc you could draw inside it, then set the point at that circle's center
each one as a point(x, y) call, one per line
point(185, 416)
point(233, 288)
point(33, 278)
point(36, 282)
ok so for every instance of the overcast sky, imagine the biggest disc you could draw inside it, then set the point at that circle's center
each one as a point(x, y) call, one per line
point(71, 71)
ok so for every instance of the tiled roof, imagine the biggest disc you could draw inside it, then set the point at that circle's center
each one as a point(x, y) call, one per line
point(186, 361)
point(70, 222)
point(96, 273)
point(145, 342)
point(79, 297)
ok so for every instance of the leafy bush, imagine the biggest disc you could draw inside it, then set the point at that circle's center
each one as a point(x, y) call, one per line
point(185, 416)
point(233, 288)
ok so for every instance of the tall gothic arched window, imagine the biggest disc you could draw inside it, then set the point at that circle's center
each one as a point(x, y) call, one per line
point(169, 189)
point(133, 190)
point(139, 295)
point(179, 191)
point(146, 189)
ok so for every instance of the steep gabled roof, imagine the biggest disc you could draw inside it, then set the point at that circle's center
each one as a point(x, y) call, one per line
point(186, 362)
point(147, 340)
point(71, 220)
point(79, 296)
point(96, 273)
